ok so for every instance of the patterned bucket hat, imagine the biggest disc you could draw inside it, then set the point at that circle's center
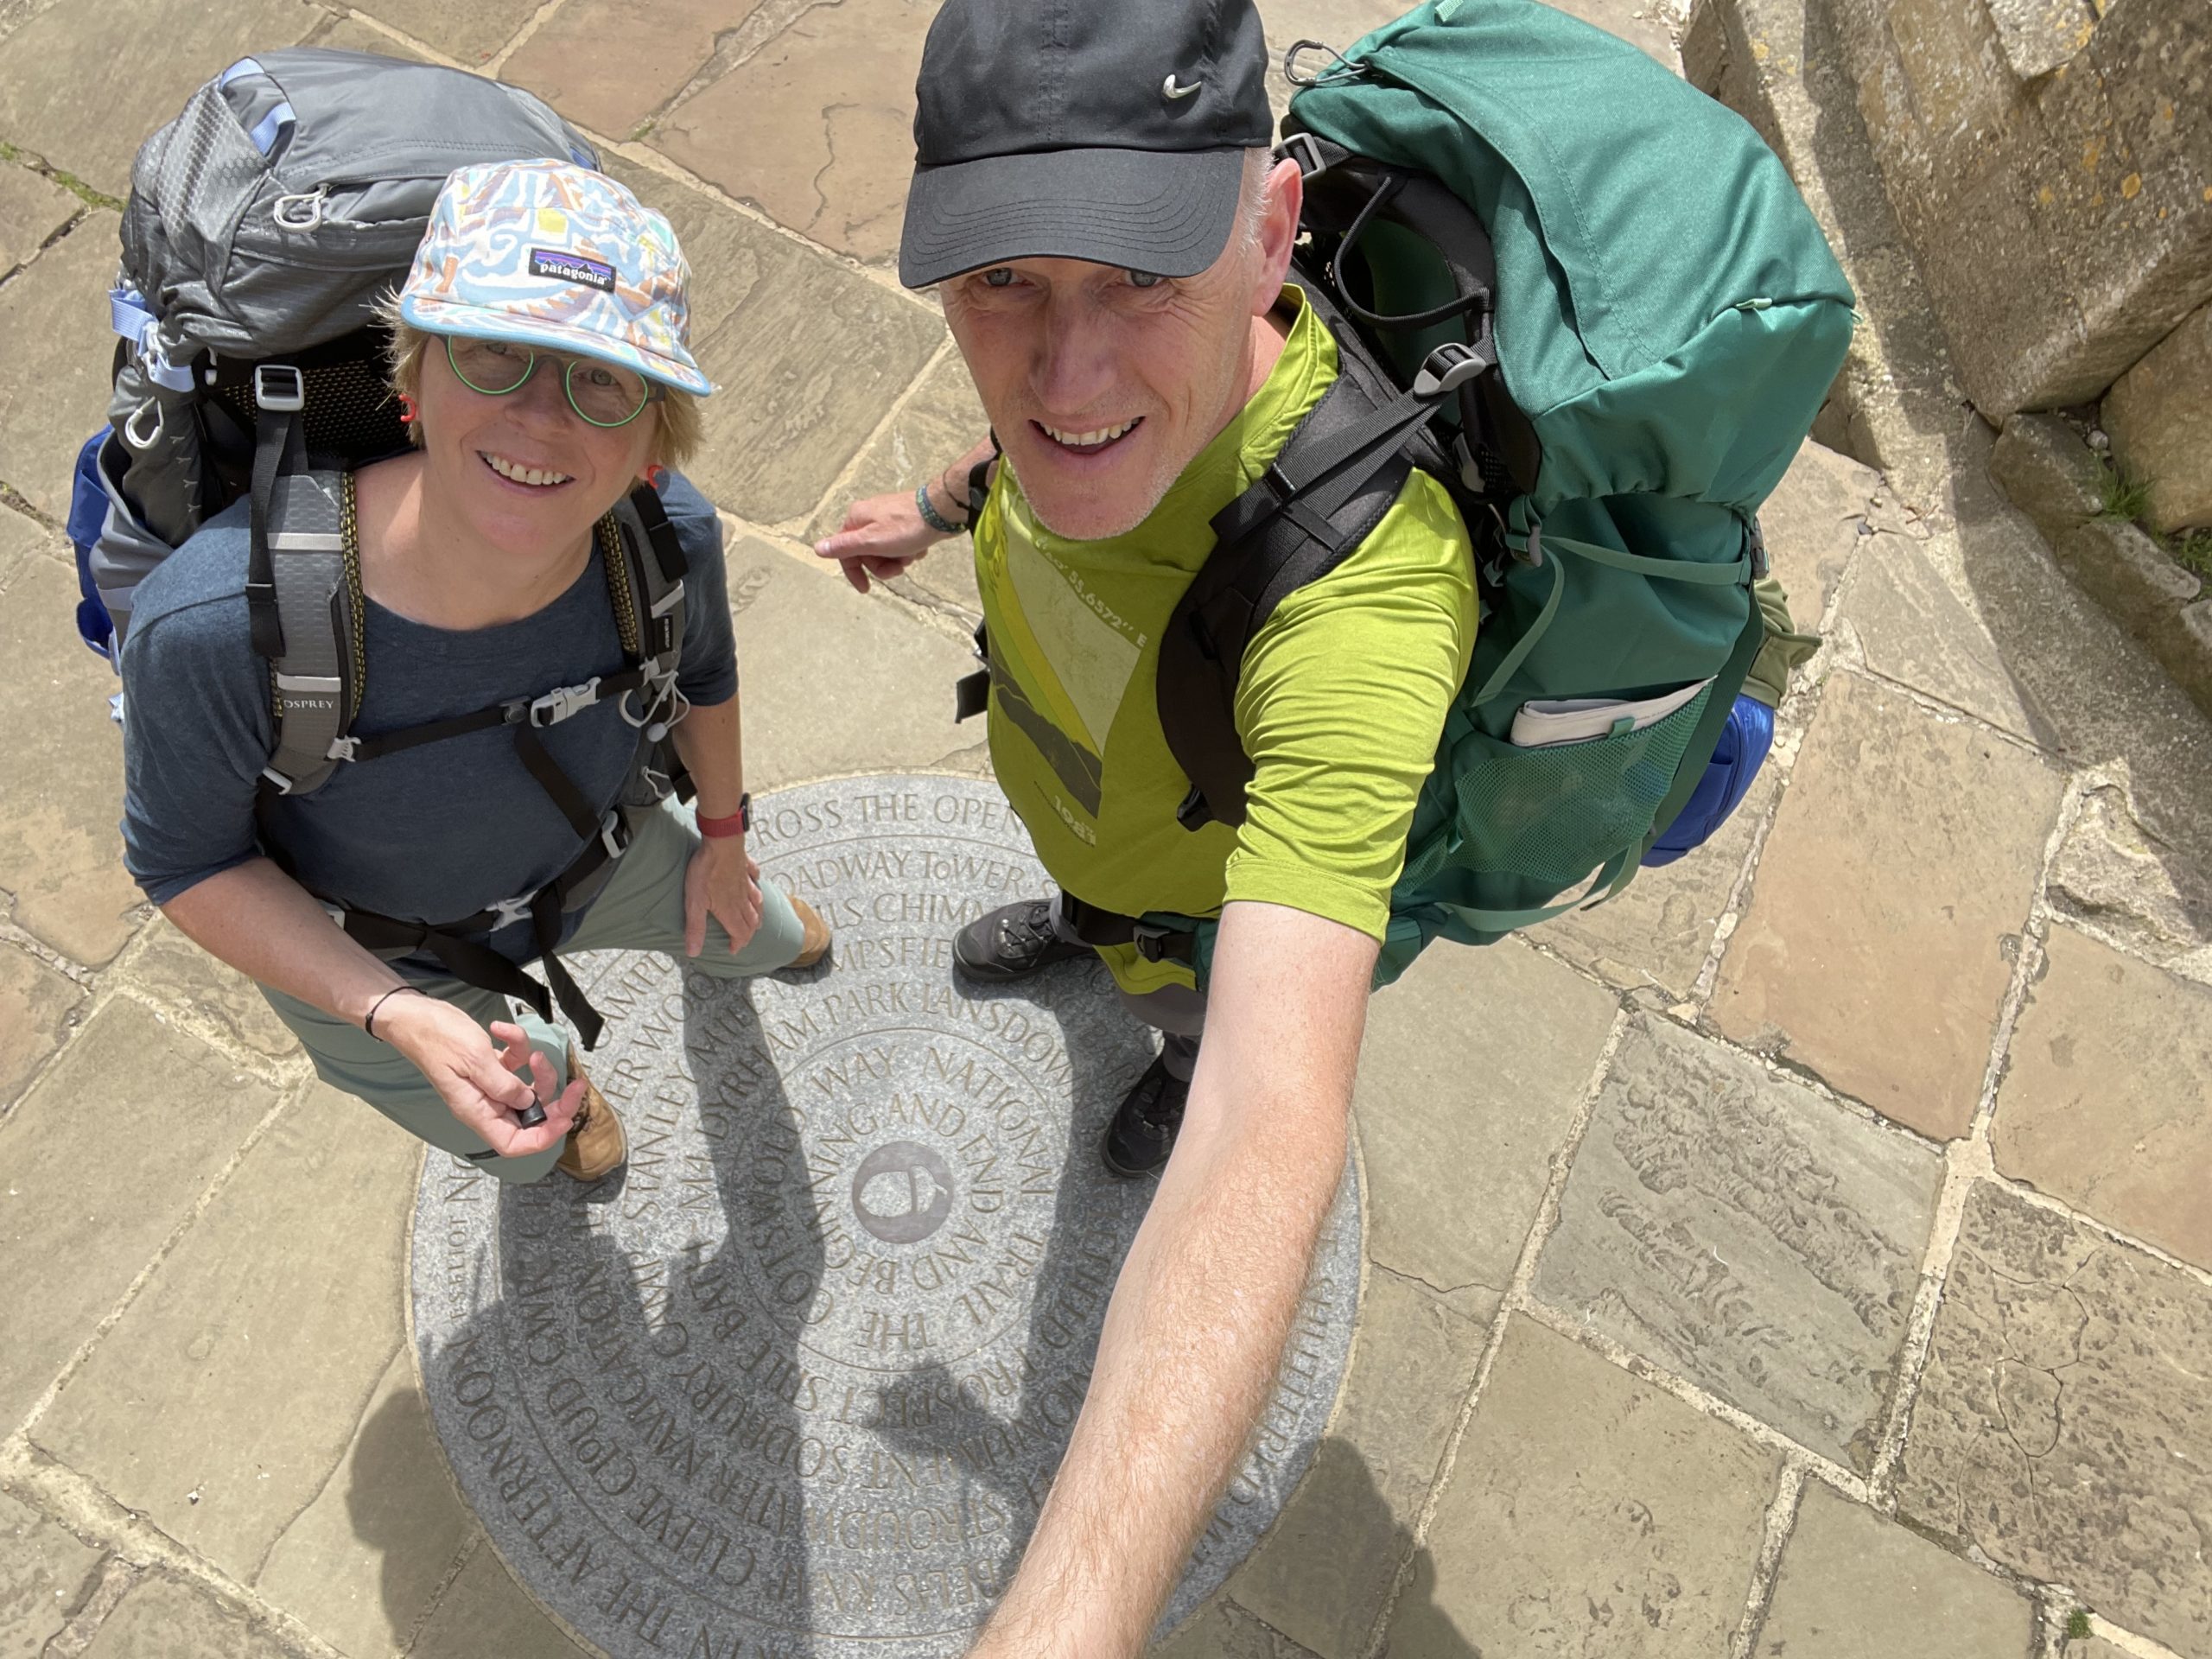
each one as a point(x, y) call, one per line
point(551, 254)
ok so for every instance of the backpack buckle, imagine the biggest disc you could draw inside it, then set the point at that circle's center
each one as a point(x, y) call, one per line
point(1303, 147)
point(1156, 942)
point(1447, 368)
point(562, 701)
point(508, 912)
point(279, 388)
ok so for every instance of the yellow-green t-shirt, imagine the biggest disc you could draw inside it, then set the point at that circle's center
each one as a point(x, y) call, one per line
point(1340, 705)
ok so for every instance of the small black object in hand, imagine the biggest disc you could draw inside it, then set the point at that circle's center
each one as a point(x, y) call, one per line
point(532, 1116)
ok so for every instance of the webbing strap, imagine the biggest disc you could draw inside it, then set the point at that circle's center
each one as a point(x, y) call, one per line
point(279, 447)
point(514, 712)
point(545, 931)
point(1703, 575)
point(478, 964)
point(1098, 928)
point(1527, 642)
point(1505, 921)
point(1707, 736)
point(538, 761)
point(466, 960)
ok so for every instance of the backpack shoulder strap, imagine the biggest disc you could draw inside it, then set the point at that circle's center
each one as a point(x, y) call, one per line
point(308, 608)
point(1321, 498)
point(656, 566)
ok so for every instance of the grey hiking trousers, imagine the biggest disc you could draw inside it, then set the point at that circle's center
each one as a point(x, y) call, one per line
point(641, 908)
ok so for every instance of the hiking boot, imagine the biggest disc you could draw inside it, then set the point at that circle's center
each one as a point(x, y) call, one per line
point(596, 1143)
point(1142, 1133)
point(1012, 943)
point(814, 945)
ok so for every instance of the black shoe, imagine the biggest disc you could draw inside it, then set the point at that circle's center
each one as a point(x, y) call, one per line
point(1142, 1133)
point(1013, 944)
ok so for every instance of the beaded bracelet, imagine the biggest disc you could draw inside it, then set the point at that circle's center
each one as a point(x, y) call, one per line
point(936, 520)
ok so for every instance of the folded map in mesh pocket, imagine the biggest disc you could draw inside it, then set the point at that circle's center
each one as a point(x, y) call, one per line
point(1577, 720)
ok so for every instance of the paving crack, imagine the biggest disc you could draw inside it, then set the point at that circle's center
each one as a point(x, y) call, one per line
point(1407, 1277)
point(338, 1462)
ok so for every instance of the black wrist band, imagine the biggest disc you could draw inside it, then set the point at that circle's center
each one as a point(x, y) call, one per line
point(369, 1023)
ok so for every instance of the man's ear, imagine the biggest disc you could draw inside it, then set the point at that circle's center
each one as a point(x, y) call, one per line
point(1283, 196)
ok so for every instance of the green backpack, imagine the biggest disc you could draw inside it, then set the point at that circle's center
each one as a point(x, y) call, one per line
point(1589, 300)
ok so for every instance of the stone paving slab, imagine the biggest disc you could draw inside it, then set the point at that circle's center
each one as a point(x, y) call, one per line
point(2104, 1102)
point(163, 1619)
point(1473, 1065)
point(45, 1573)
point(2062, 1415)
point(2114, 873)
point(836, 85)
point(1589, 1514)
point(469, 31)
point(1912, 626)
point(939, 424)
point(1746, 1234)
point(32, 208)
point(808, 354)
point(1322, 1576)
point(80, 87)
point(885, 705)
point(61, 855)
point(154, 1116)
point(227, 1393)
point(484, 1615)
point(366, 1559)
point(37, 1008)
point(836, 88)
point(20, 535)
point(1853, 1585)
point(168, 969)
point(55, 347)
point(1886, 914)
point(349, 33)
point(1813, 523)
point(607, 65)
point(1224, 1630)
point(1659, 930)
point(2103, 697)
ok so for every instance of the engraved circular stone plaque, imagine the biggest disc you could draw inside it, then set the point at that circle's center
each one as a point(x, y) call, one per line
point(796, 1380)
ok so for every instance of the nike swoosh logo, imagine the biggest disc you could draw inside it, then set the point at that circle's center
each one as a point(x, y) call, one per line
point(1172, 90)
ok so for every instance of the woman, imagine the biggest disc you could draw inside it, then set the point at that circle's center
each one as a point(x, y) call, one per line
point(540, 360)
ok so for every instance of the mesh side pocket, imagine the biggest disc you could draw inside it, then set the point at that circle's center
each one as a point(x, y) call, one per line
point(1554, 815)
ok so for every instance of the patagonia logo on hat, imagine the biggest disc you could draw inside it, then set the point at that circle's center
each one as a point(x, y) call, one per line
point(572, 268)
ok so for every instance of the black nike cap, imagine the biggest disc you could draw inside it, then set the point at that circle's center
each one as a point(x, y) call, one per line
point(1113, 130)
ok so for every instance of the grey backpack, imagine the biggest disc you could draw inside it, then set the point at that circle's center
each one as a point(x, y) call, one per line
point(264, 224)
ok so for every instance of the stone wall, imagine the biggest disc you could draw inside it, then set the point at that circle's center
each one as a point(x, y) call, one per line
point(2159, 417)
point(2050, 163)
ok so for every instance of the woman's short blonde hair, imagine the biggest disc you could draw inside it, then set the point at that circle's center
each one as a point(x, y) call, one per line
point(676, 425)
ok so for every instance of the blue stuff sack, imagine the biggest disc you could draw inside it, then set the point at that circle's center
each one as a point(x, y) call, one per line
point(1737, 758)
point(87, 515)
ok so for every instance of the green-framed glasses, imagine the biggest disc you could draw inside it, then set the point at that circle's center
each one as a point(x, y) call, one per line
point(603, 394)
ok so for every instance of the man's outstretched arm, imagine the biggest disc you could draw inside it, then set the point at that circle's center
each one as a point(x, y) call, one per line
point(1204, 1304)
point(884, 534)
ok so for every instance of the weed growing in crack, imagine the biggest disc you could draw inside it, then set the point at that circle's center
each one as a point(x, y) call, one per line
point(2192, 550)
point(2124, 496)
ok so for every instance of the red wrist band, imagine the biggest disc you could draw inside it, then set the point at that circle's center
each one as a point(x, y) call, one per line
point(735, 825)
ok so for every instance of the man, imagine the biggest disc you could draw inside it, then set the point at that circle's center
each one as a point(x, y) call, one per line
point(1094, 200)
